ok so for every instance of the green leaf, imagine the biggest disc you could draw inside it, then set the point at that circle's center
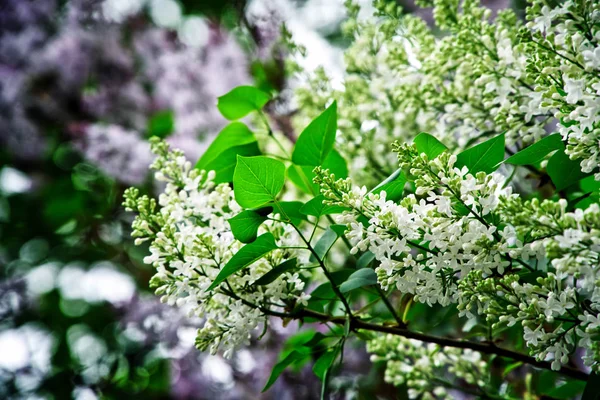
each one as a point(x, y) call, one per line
point(273, 274)
point(589, 184)
point(510, 367)
point(325, 361)
point(537, 151)
point(316, 140)
point(224, 165)
point(221, 156)
point(323, 292)
point(589, 193)
point(325, 243)
point(241, 101)
point(347, 326)
point(281, 366)
point(566, 391)
point(484, 157)
point(340, 229)
point(316, 208)
point(429, 145)
point(298, 340)
point(233, 135)
point(245, 256)
point(257, 180)
point(161, 124)
point(563, 171)
point(362, 277)
point(291, 209)
point(592, 388)
point(365, 260)
point(392, 185)
point(317, 338)
point(302, 175)
point(324, 386)
point(244, 226)
point(336, 164)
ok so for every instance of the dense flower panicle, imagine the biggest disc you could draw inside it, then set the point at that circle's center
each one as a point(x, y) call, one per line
point(425, 368)
point(478, 81)
point(190, 242)
point(445, 219)
point(468, 240)
point(566, 66)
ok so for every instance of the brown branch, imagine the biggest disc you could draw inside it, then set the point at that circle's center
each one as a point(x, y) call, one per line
point(485, 348)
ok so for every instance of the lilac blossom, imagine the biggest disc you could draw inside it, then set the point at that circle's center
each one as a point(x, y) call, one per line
point(70, 68)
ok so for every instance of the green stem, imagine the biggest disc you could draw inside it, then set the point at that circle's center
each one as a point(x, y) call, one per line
point(328, 275)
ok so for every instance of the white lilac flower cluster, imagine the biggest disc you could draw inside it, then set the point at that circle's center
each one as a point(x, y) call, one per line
point(467, 240)
point(402, 80)
point(558, 303)
point(428, 371)
point(565, 44)
point(446, 219)
point(190, 242)
point(487, 76)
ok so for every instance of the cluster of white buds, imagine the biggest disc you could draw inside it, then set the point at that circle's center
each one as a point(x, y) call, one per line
point(427, 370)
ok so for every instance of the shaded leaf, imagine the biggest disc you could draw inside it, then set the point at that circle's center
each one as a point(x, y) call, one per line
point(273, 274)
point(281, 366)
point(323, 292)
point(563, 171)
point(567, 390)
point(592, 388)
point(244, 226)
point(483, 157)
point(317, 208)
point(324, 244)
point(510, 367)
point(317, 338)
point(291, 209)
point(224, 165)
point(245, 256)
point(537, 151)
point(325, 361)
point(364, 260)
point(161, 124)
point(392, 185)
point(362, 277)
point(302, 175)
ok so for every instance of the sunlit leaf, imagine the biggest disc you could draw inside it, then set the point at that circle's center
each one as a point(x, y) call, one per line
point(241, 101)
point(257, 180)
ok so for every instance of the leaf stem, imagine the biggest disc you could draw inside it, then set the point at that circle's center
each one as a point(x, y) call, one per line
point(328, 275)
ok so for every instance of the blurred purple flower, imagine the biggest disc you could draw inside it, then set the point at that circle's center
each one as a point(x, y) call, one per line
point(71, 68)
